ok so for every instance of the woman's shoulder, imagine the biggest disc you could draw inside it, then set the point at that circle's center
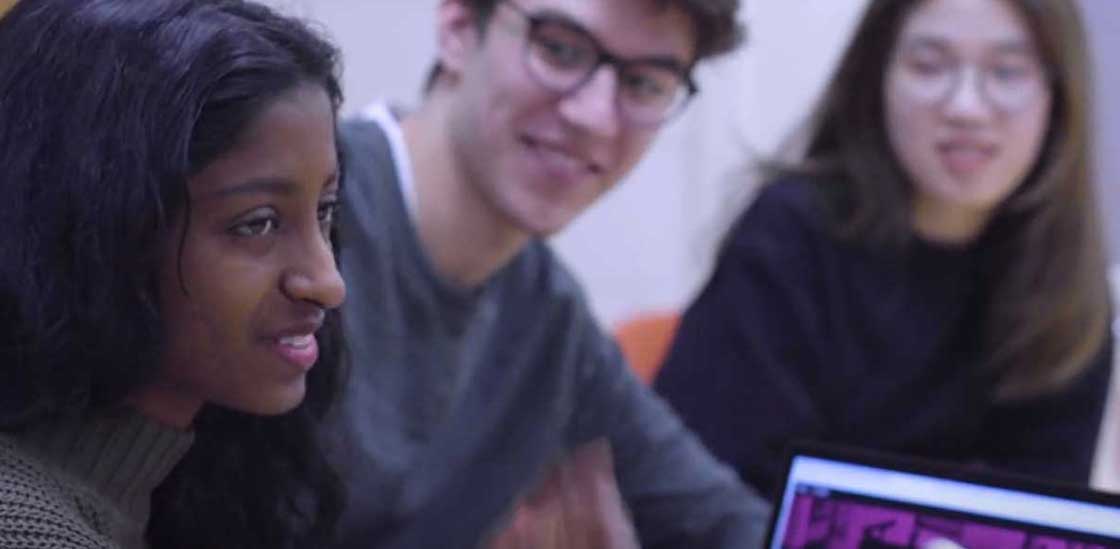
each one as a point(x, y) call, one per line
point(797, 191)
point(35, 508)
point(790, 208)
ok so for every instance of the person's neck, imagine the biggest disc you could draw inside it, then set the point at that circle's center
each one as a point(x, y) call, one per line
point(166, 404)
point(466, 238)
point(948, 224)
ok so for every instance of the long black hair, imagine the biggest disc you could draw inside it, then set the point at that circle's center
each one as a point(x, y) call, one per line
point(107, 107)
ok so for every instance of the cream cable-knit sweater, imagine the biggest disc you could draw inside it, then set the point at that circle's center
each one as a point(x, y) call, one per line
point(84, 484)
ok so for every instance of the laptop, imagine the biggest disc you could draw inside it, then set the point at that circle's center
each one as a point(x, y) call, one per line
point(842, 498)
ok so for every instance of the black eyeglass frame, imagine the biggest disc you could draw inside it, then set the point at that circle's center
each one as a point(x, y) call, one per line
point(604, 57)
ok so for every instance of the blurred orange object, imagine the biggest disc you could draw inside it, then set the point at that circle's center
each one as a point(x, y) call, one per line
point(645, 341)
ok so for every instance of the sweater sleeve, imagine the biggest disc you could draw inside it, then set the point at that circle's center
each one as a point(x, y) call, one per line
point(1053, 437)
point(748, 353)
point(34, 512)
point(678, 494)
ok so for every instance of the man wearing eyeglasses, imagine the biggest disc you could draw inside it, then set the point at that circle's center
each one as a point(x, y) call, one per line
point(486, 407)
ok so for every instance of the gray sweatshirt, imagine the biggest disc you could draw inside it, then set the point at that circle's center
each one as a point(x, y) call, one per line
point(458, 399)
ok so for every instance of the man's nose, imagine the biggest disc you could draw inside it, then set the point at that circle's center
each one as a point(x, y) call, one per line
point(593, 106)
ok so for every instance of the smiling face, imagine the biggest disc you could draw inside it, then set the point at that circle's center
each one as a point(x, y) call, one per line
point(538, 158)
point(967, 109)
point(243, 296)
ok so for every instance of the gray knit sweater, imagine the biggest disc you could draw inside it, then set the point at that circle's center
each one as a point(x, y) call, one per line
point(83, 484)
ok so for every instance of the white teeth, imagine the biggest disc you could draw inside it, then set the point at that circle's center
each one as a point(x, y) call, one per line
point(299, 342)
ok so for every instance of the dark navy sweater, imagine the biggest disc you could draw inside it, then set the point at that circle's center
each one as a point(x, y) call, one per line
point(800, 336)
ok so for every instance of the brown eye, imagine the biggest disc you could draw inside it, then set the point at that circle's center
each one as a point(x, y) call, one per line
point(561, 48)
point(650, 84)
point(929, 65)
point(327, 212)
point(257, 224)
point(1009, 72)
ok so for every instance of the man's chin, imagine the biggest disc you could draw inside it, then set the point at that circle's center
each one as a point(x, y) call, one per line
point(545, 226)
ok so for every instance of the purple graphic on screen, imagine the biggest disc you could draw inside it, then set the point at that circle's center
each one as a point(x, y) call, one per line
point(820, 520)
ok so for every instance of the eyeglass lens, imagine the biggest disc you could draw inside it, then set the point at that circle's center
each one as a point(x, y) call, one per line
point(563, 57)
point(1008, 84)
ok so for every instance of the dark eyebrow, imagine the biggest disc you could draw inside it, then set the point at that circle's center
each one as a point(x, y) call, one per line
point(264, 185)
point(666, 61)
point(924, 41)
point(1013, 45)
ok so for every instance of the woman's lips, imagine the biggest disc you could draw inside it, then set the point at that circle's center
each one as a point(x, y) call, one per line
point(965, 158)
point(300, 350)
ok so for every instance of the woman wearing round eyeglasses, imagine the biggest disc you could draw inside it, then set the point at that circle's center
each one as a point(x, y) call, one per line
point(930, 279)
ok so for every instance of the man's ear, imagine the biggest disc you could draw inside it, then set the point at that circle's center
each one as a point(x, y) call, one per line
point(459, 36)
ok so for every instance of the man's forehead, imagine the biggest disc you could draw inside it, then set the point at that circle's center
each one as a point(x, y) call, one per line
point(632, 28)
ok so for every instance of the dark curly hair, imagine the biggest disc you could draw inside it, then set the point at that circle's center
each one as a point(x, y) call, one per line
point(107, 107)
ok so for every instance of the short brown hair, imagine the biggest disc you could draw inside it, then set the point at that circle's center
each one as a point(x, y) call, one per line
point(717, 29)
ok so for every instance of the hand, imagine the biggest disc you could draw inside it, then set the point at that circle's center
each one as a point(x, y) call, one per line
point(577, 505)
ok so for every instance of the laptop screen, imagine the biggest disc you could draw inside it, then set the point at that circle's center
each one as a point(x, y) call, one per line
point(864, 502)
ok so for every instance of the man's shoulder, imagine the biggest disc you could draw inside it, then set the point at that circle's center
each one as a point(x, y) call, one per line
point(372, 130)
point(361, 140)
point(538, 274)
point(360, 127)
point(538, 293)
point(371, 201)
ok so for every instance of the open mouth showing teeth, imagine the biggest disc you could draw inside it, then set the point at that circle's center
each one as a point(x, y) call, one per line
point(298, 342)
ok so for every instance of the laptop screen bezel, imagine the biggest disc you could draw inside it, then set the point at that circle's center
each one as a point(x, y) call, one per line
point(931, 468)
